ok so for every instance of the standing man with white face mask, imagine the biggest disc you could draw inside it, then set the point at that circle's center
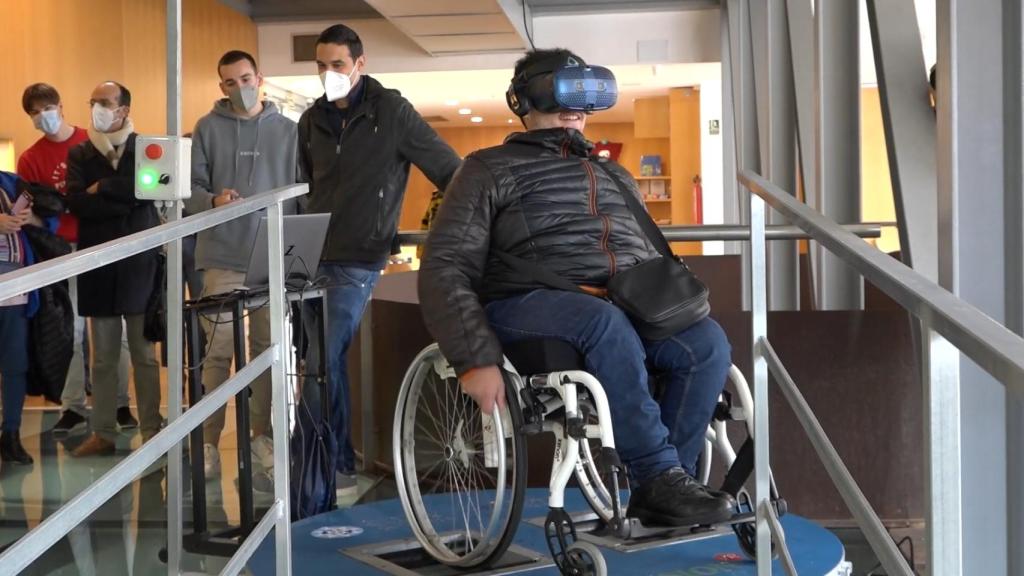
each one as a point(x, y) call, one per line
point(355, 146)
point(101, 191)
point(243, 147)
point(46, 163)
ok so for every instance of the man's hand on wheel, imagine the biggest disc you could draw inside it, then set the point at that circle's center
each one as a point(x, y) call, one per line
point(486, 385)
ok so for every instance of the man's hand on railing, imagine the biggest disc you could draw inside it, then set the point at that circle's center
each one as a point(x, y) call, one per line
point(226, 196)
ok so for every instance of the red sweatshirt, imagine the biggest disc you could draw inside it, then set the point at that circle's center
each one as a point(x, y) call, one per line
point(46, 163)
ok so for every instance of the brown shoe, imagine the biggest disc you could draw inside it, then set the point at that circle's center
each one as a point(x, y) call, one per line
point(95, 446)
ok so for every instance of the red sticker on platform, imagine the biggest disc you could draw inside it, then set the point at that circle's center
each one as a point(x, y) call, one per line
point(728, 557)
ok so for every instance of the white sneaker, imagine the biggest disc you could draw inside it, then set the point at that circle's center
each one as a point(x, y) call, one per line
point(263, 451)
point(346, 485)
point(211, 461)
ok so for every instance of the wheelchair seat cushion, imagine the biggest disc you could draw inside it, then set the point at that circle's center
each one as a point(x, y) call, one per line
point(542, 356)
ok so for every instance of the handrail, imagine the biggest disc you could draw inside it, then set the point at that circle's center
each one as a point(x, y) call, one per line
point(989, 344)
point(32, 545)
point(711, 232)
point(874, 531)
point(779, 536)
point(45, 273)
point(253, 541)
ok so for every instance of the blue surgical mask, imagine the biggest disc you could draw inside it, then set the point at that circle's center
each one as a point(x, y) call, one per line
point(48, 121)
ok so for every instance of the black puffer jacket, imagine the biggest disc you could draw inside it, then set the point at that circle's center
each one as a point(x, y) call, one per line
point(358, 173)
point(539, 196)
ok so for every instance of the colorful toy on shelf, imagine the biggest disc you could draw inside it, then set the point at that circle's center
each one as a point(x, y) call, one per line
point(650, 165)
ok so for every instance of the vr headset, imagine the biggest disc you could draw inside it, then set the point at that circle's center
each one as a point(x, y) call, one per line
point(563, 82)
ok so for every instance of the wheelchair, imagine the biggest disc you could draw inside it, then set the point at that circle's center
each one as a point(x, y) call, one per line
point(471, 467)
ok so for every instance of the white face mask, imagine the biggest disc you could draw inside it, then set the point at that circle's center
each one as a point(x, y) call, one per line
point(102, 117)
point(336, 85)
point(48, 121)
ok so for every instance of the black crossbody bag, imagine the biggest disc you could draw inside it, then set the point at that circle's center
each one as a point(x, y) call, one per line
point(661, 296)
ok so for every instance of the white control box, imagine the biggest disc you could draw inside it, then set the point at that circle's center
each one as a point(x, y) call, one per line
point(163, 168)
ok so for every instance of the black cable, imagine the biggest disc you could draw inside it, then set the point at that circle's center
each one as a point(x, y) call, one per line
point(905, 540)
point(526, 27)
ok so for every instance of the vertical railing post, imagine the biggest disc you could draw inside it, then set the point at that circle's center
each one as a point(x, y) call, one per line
point(940, 367)
point(174, 302)
point(759, 314)
point(275, 251)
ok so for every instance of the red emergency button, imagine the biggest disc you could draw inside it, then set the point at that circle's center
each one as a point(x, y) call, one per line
point(154, 151)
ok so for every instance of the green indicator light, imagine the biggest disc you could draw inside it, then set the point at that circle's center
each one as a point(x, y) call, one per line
point(147, 179)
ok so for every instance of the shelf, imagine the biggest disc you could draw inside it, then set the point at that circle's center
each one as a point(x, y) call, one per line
point(653, 177)
point(657, 200)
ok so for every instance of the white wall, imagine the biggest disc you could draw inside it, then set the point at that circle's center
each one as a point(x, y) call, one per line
point(387, 50)
point(711, 150)
point(926, 19)
point(690, 36)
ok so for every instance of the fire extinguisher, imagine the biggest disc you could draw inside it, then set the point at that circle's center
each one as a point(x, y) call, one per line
point(698, 201)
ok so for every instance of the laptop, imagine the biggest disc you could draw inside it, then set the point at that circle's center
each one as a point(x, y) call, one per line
point(304, 236)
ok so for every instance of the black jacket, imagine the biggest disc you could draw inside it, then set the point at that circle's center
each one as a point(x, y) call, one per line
point(540, 196)
point(121, 288)
point(359, 176)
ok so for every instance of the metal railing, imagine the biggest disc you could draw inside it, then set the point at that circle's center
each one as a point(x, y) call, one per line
point(948, 323)
point(712, 232)
point(31, 546)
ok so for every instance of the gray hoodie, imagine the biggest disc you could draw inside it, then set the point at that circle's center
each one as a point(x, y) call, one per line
point(249, 155)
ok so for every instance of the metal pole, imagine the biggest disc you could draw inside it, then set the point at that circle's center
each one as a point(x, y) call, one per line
point(837, 91)
point(282, 460)
point(174, 302)
point(730, 188)
point(780, 156)
point(1013, 221)
point(759, 314)
point(943, 476)
point(747, 141)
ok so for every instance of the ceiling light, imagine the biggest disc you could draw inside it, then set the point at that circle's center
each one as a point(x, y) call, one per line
point(451, 102)
point(465, 111)
point(476, 119)
point(511, 121)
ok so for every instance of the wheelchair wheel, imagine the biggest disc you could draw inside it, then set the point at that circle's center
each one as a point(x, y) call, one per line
point(584, 559)
point(594, 484)
point(471, 467)
point(746, 532)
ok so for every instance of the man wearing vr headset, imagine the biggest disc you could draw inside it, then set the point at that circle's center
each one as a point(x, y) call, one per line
point(541, 198)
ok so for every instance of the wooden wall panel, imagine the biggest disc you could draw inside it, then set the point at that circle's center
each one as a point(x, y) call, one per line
point(76, 44)
point(651, 117)
point(467, 140)
point(210, 30)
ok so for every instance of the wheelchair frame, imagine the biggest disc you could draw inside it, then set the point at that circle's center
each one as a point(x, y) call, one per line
point(533, 401)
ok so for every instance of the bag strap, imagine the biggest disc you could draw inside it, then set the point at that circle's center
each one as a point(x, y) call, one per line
point(640, 214)
point(537, 272)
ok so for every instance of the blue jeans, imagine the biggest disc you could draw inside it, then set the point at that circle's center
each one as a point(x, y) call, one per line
point(13, 364)
point(650, 436)
point(348, 291)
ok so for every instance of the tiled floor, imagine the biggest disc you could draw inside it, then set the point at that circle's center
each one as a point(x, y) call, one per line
point(125, 536)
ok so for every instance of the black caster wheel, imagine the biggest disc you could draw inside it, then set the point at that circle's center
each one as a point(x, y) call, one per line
point(584, 559)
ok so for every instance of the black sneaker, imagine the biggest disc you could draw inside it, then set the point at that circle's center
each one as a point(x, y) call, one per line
point(70, 421)
point(11, 449)
point(674, 498)
point(125, 419)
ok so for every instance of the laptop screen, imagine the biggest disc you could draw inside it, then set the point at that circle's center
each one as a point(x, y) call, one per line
point(304, 236)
